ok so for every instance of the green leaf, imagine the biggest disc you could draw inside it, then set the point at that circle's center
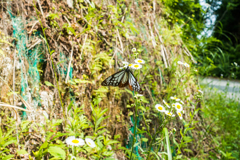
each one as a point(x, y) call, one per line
point(99, 143)
point(107, 153)
point(141, 132)
point(188, 150)
point(48, 83)
point(144, 139)
point(168, 144)
point(156, 155)
point(102, 131)
point(53, 16)
point(143, 99)
point(8, 157)
point(130, 113)
point(70, 105)
point(187, 139)
point(71, 30)
point(99, 121)
point(81, 81)
point(111, 142)
point(22, 152)
point(57, 152)
point(52, 51)
point(9, 142)
point(44, 145)
point(142, 108)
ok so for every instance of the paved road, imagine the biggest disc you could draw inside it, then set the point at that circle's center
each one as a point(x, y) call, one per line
point(232, 87)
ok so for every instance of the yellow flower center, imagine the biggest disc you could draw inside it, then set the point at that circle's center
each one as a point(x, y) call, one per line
point(179, 114)
point(139, 61)
point(130, 65)
point(75, 141)
point(89, 143)
point(178, 106)
point(136, 66)
point(160, 108)
point(175, 97)
point(169, 113)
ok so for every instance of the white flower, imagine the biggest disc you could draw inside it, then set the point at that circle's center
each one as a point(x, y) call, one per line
point(174, 129)
point(166, 103)
point(235, 63)
point(175, 98)
point(181, 102)
point(160, 108)
point(134, 50)
point(130, 65)
point(90, 142)
point(178, 107)
point(179, 62)
point(125, 62)
point(74, 141)
point(139, 61)
point(179, 115)
point(200, 91)
point(169, 114)
point(183, 63)
point(136, 66)
point(186, 65)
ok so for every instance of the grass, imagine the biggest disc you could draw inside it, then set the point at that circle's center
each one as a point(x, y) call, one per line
point(223, 123)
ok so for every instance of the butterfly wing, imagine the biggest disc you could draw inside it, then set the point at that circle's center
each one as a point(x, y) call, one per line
point(119, 79)
point(124, 81)
point(133, 83)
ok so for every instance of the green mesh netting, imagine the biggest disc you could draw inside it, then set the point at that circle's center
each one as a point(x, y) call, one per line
point(29, 74)
point(30, 78)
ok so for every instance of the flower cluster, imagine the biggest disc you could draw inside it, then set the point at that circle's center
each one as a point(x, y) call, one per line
point(80, 142)
point(160, 108)
point(137, 65)
point(177, 105)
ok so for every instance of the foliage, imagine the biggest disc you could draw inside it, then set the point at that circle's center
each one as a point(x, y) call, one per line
point(93, 38)
point(223, 124)
point(6, 139)
point(218, 54)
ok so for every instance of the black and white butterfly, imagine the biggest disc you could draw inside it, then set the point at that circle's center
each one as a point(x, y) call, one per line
point(123, 78)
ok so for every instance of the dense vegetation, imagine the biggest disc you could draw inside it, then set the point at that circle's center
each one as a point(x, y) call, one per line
point(219, 52)
point(55, 55)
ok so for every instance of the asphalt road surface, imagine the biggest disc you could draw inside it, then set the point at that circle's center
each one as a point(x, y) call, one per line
point(231, 87)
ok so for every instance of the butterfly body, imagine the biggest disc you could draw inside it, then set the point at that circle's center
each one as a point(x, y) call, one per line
point(123, 78)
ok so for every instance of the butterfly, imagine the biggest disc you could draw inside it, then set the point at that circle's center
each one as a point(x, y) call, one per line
point(123, 78)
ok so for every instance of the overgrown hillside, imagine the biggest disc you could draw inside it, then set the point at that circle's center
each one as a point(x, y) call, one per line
point(55, 54)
